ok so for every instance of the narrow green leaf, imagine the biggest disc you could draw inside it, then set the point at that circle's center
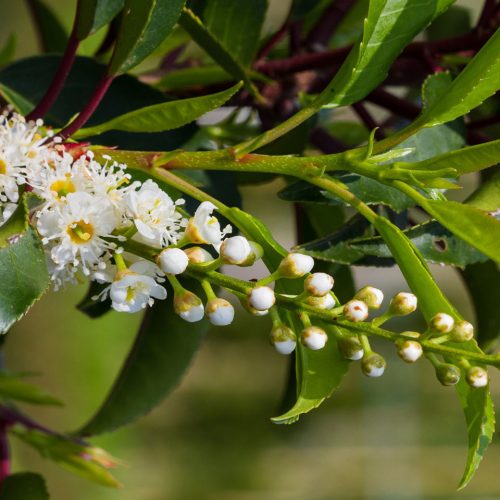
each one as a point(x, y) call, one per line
point(13, 387)
point(237, 25)
point(469, 159)
point(474, 226)
point(145, 24)
point(23, 268)
point(214, 48)
point(482, 281)
point(164, 116)
point(162, 352)
point(24, 486)
point(94, 14)
point(322, 371)
point(53, 36)
point(21, 105)
point(487, 195)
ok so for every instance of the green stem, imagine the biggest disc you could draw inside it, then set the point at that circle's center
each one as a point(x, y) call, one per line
point(207, 288)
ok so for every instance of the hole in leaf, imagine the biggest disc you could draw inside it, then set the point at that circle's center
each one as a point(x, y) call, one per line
point(440, 245)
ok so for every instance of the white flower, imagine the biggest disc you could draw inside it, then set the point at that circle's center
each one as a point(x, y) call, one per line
point(295, 265)
point(235, 250)
point(133, 292)
point(205, 228)
point(198, 255)
point(477, 377)
point(77, 230)
point(173, 261)
point(442, 323)
point(283, 339)
point(325, 302)
point(314, 338)
point(355, 310)
point(6, 210)
point(318, 284)
point(189, 306)
point(261, 298)
point(463, 331)
point(220, 312)
point(410, 351)
point(373, 365)
point(403, 303)
point(373, 297)
point(154, 214)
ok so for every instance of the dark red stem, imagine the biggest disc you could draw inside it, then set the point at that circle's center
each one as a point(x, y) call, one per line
point(366, 117)
point(58, 81)
point(273, 41)
point(4, 452)
point(89, 108)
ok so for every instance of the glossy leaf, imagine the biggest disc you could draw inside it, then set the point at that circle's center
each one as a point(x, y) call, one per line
point(145, 24)
point(159, 357)
point(161, 117)
point(24, 486)
point(322, 371)
point(474, 226)
point(53, 36)
point(72, 455)
point(23, 269)
point(94, 14)
point(237, 25)
point(482, 281)
point(369, 190)
point(13, 387)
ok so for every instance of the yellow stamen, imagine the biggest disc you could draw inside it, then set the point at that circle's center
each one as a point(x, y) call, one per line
point(80, 232)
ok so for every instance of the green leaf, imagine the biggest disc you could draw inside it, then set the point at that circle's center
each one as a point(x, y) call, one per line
point(53, 36)
point(162, 352)
point(466, 160)
point(482, 281)
point(188, 77)
point(75, 456)
point(23, 268)
point(478, 81)
point(94, 308)
point(21, 105)
point(7, 51)
point(389, 26)
point(487, 196)
point(474, 226)
point(237, 25)
point(165, 116)
point(214, 48)
point(145, 24)
point(94, 14)
point(369, 190)
point(12, 387)
point(24, 486)
point(322, 371)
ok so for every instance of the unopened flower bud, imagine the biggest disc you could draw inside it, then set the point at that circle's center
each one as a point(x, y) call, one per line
point(314, 338)
point(448, 374)
point(373, 365)
point(220, 312)
point(189, 306)
point(411, 335)
point(477, 376)
point(462, 332)
point(283, 339)
point(442, 323)
point(198, 255)
point(410, 351)
point(371, 296)
point(403, 303)
point(295, 265)
point(256, 253)
point(351, 348)
point(326, 302)
point(261, 298)
point(173, 261)
point(355, 310)
point(235, 250)
point(318, 284)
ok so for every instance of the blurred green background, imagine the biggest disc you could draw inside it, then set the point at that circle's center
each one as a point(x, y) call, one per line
point(398, 437)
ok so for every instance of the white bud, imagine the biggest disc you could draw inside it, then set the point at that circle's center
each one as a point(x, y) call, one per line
point(261, 298)
point(477, 377)
point(351, 348)
point(189, 307)
point(235, 250)
point(410, 351)
point(371, 296)
point(462, 332)
point(325, 302)
point(403, 303)
point(314, 338)
point(318, 284)
point(295, 265)
point(173, 261)
point(355, 310)
point(283, 339)
point(373, 365)
point(220, 312)
point(198, 255)
point(442, 323)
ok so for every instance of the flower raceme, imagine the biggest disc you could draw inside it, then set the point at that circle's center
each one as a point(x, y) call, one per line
point(130, 237)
